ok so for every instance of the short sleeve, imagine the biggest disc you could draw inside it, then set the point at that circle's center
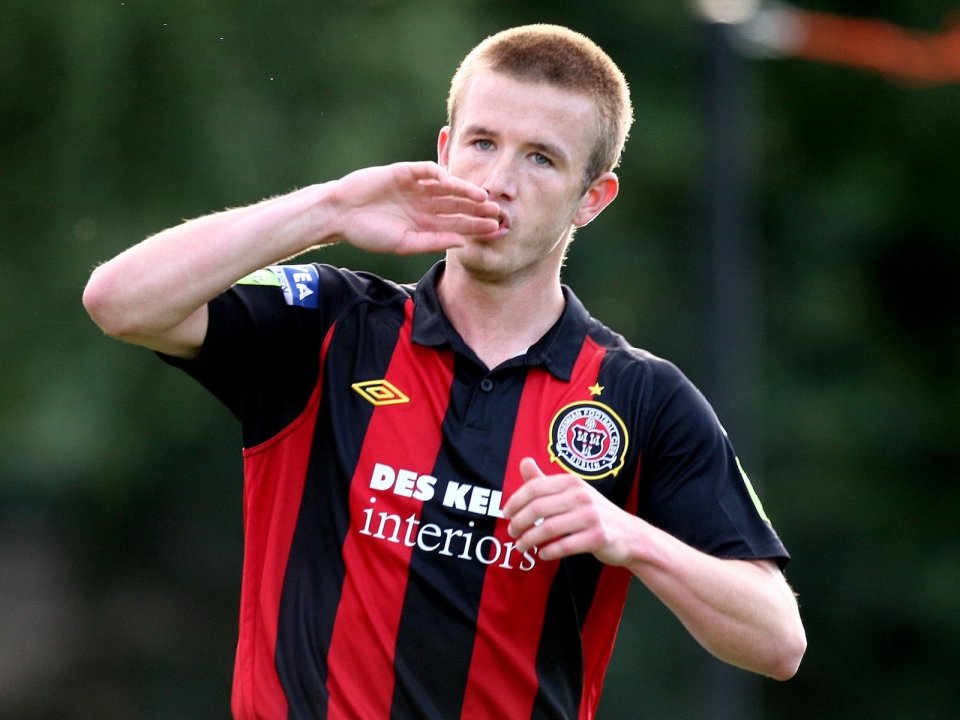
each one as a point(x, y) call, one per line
point(693, 485)
point(261, 354)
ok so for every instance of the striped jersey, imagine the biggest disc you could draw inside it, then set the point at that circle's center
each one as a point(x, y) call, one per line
point(378, 577)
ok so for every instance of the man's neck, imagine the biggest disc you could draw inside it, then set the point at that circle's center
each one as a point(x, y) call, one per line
point(499, 321)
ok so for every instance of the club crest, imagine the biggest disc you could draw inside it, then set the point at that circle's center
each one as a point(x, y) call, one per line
point(588, 439)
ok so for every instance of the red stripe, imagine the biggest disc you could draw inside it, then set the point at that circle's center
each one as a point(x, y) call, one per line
point(603, 621)
point(503, 670)
point(274, 476)
point(365, 629)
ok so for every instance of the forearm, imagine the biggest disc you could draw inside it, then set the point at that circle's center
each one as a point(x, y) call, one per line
point(743, 612)
point(159, 283)
point(155, 293)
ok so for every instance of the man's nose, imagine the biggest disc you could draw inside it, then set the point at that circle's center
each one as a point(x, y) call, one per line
point(501, 179)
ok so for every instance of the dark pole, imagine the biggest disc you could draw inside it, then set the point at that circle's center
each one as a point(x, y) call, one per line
point(731, 335)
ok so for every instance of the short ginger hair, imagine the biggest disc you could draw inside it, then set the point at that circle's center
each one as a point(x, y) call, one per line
point(565, 59)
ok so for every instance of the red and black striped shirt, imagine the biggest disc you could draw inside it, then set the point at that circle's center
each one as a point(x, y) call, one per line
point(378, 579)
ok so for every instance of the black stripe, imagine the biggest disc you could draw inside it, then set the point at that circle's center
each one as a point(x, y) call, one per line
point(560, 655)
point(438, 625)
point(315, 571)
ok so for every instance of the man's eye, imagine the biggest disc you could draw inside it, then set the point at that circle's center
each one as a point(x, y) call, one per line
point(482, 144)
point(541, 159)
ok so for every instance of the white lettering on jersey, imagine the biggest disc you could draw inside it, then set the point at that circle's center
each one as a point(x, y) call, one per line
point(459, 543)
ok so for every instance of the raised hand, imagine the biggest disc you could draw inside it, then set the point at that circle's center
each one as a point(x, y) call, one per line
point(140, 295)
point(563, 515)
point(408, 208)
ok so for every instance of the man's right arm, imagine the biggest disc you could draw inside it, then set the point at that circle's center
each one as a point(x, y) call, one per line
point(155, 293)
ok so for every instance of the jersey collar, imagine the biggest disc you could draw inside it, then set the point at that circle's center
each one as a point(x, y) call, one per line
point(557, 350)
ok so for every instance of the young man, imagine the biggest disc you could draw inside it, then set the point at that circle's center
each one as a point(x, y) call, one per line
point(449, 486)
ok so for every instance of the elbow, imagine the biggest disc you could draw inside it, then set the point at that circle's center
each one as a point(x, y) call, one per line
point(99, 300)
point(790, 652)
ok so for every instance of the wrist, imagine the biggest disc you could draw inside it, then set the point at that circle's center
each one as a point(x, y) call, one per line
point(320, 213)
point(648, 549)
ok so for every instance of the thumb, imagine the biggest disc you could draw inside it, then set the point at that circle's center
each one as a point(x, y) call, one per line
point(529, 469)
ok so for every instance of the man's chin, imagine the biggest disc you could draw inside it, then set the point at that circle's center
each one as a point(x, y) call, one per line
point(480, 263)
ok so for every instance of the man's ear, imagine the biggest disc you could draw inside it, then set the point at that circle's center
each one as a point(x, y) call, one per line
point(601, 193)
point(443, 147)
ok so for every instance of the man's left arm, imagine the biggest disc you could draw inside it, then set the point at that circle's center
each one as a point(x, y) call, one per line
point(741, 611)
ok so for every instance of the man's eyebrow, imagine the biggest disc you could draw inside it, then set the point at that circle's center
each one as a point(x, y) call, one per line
point(478, 130)
point(551, 150)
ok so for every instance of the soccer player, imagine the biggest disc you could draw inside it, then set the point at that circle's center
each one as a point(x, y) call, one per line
point(450, 485)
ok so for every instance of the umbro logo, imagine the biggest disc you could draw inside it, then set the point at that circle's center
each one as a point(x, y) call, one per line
point(380, 392)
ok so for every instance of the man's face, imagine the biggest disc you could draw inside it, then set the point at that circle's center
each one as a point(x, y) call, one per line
point(528, 145)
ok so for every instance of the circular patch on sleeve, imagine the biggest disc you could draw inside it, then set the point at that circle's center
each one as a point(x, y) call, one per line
point(588, 439)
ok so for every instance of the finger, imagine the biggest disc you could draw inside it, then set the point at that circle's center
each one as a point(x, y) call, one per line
point(528, 471)
point(440, 232)
point(557, 546)
point(420, 241)
point(536, 507)
point(466, 225)
point(454, 205)
point(558, 536)
point(438, 181)
point(544, 517)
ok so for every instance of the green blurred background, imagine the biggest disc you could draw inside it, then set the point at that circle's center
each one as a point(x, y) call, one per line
point(828, 338)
